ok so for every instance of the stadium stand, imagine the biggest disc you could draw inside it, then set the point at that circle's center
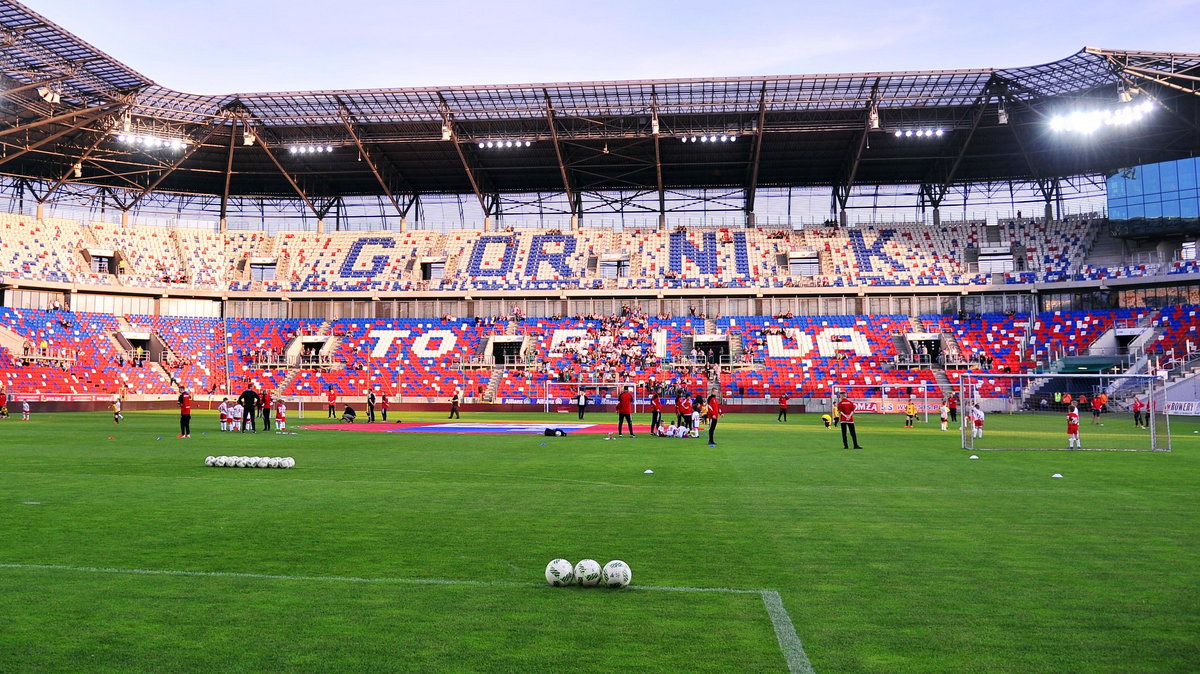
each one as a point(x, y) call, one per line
point(892, 255)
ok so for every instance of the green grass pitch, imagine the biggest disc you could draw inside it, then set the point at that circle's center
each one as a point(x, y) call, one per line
point(902, 557)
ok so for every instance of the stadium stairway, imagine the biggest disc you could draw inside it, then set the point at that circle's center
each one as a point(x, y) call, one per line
point(493, 386)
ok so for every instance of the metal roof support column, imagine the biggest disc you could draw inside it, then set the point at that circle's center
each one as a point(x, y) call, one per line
point(981, 104)
point(658, 176)
point(344, 113)
point(448, 121)
point(562, 165)
point(228, 175)
point(755, 159)
point(262, 143)
point(175, 164)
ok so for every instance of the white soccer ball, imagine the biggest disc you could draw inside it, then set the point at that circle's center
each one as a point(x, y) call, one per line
point(273, 462)
point(210, 461)
point(559, 572)
point(587, 572)
point(291, 463)
point(616, 574)
point(263, 462)
point(242, 461)
point(219, 462)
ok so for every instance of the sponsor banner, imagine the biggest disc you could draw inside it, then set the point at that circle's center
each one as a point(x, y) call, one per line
point(1183, 407)
point(896, 406)
point(61, 397)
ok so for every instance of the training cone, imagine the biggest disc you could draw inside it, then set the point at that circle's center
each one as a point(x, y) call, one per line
point(974, 457)
point(1056, 475)
point(647, 472)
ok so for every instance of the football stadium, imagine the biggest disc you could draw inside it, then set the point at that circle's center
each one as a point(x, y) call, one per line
point(574, 376)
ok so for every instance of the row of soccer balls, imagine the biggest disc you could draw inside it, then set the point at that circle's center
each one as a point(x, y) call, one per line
point(587, 572)
point(250, 461)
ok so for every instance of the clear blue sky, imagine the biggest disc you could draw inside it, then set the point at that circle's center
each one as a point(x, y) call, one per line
point(222, 46)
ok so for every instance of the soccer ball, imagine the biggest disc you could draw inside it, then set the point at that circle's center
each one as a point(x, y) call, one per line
point(242, 461)
point(219, 462)
point(616, 574)
point(210, 461)
point(559, 572)
point(273, 462)
point(587, 572)
point(263, 462)
point(291, 463)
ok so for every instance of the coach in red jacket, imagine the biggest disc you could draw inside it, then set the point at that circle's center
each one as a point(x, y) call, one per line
point(625, 411)
point(714, 413)
point(655, 413)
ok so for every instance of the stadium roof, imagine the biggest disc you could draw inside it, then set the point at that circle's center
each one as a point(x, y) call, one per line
point(67, 106)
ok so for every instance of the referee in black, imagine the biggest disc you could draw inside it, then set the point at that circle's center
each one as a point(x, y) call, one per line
point(249, 402)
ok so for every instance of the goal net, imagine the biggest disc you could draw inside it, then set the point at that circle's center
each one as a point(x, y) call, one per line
point(1116, 412)
point(560, 396)
point(889, 399)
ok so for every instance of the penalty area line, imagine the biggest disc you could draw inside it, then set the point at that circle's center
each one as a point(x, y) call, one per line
point(785, 631)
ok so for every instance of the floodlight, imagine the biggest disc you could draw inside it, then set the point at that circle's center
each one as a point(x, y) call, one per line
point(489, 143)
point(329, 148)
point(908, 133)
point(481, 144)
point(938, 133)
point(899, 133)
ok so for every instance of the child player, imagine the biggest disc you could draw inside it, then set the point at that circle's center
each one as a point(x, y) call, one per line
point(977, 417)
point(236, 410)
point(910, 414)
point(116, 410)
point(1073, 428)
point(24, 410)
point(944, 414)
point(281, 416)
point(223, 410)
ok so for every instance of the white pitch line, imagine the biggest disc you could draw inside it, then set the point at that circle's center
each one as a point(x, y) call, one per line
point(785, 631)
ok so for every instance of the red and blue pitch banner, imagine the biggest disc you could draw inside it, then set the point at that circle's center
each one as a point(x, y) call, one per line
point(507, 428)
point(472, 427)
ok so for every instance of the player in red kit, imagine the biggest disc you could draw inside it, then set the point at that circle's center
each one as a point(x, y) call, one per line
point(185, 413)
point(655, 412)
point(714, 413)
point(783, 403)
point(1073, 441)
point(625, 411)
point(331, 398)
point(845, 410)
point(685, 408)
point(1138, 407)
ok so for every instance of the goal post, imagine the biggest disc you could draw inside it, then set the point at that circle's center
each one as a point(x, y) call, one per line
point(561, 394)
point(887, 399)
point(1029, 411)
